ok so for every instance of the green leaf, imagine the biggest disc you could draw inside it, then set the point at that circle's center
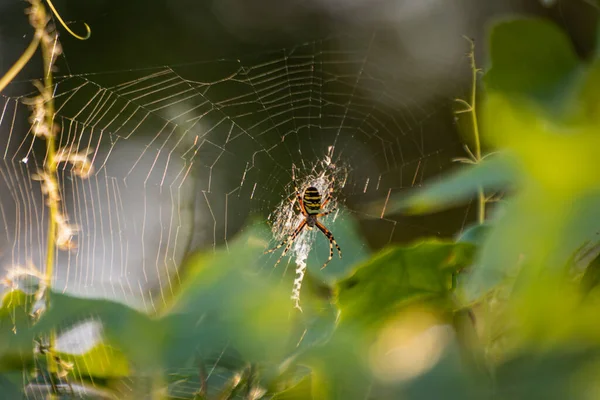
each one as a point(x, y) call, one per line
point(300, 391)
point(11, 385)
point(530, 58)
point(474, 234)
point(549, 375)
point(231, 300)
point(340, 367)
point(134, 333)
point(495, 172)
point(380, 290)
point(401, 276)
point(548, 313)
point(317, 324)
point(16, 337)
point(197, 383)
point(591, 277)
point(449, 379)
point(102, 361)
point(554, 211)
point(548, 163)
point(227, 303)
point(584, 105)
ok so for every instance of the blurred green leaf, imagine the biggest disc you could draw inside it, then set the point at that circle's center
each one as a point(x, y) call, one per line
point(16, 337)
point(474, 234)
point(555, 210)
point(530, 58)
point(339, 367)
point(550, 313)
point(11, 385)
point(542, 67)
point(495, 172)
point(353, 245)
point(469, 344)
point(200, 383)
point(549, 163)
point(591, 277)
point(380, 290)
point(448, 379)
point(584, 105)
point(137, 335)
point(102, 361)
point(317, 324)
point(228, 301)
point(399, 276)
point(557, 375)
point(300, 391)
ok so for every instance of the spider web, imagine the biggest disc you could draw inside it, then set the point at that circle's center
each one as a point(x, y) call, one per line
point(185, 155)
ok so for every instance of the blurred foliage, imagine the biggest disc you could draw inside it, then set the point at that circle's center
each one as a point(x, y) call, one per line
point(506, 311)
point(16, 341)
point(421, 273)
point(532, 285)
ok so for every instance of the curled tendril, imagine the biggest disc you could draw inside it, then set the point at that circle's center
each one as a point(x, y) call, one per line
point(87, 27)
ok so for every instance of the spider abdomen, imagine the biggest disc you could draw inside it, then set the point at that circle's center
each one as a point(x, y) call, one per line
point(312, 200)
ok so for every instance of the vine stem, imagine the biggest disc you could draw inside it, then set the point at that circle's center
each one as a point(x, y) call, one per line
point(30, 50)
point(21, 62)
point(88, 30)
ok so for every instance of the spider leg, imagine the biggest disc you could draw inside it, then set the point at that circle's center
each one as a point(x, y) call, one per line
point(288, 242)
point(331, 243)
point(284, 252)
point(296, 205)
point(278, 246)
point(326, 212)
point(329, 193)
point(298, 194)
point(292, 236)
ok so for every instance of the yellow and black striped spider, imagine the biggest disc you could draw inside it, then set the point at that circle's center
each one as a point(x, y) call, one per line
point(311, 208)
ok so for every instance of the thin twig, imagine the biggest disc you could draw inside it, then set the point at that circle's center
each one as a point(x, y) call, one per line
point(470, 108)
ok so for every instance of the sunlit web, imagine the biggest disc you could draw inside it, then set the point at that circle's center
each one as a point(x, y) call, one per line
point(185, 154)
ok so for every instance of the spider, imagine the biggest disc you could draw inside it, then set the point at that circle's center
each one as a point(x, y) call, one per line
point(311, 208)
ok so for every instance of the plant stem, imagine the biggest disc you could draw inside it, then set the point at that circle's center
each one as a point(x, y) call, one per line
point(50, 170)
point(481, 206)
point(473, 101)
point(472, 111)
point(50, 163)
point(21, 62)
